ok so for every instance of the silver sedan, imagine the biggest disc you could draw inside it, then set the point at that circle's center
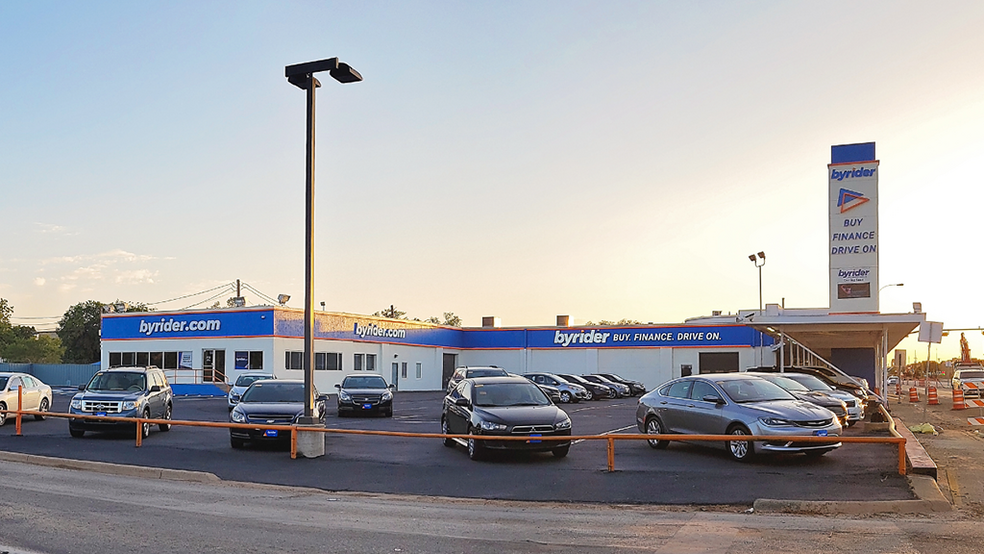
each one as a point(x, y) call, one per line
point(739, 405)
point(35, 395)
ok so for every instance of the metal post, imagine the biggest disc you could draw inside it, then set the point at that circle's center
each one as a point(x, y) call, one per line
point(312, 84)
point(760, 286)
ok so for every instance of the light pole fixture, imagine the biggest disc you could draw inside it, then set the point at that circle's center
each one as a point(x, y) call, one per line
point(283, 298)
point(756, 258)
point(892, 285)
point(302, 76)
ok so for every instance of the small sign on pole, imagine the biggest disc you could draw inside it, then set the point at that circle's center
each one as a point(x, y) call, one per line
point(930, 332)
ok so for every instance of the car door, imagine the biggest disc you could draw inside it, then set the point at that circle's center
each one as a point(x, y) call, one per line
point(672, 405)
point(27, 398)
point(703, 417)
point(155, 399)
point(458, 416)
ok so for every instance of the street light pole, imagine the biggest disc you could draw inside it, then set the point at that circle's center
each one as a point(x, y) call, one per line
point(302, 76)
point(755, 260)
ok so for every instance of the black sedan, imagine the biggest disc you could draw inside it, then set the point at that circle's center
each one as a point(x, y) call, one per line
point(504, 407)
point(635, 387)
point(271, 402)
point(798, 390)
point(363, 393)
point(595, 391)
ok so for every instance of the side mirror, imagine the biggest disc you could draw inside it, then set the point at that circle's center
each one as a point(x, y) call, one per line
point(323, 398)
point(81, 387)
point(463, 402)
point(155, 388)
point(337, 386)
point(713, 398)
point(391, 387)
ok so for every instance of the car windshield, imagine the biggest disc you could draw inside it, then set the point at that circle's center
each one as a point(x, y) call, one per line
point(247, 380)
point(963, 375)
point(789, 384)
point(808, 381)
point(486, 373)
point(753, 390)
point(509, 394)
point(263, 391)
point(118, 381)
point(3, 382)
point(363, 383)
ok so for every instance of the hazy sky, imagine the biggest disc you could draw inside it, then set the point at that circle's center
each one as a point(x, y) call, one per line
point(604, 160)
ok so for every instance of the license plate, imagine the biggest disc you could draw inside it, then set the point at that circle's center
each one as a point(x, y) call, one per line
point(270, 433)
point(534, 441)
point(100, 413)
point(821, 433)
point(367, 406)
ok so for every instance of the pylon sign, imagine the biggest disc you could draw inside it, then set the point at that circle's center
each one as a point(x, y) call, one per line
point(853, 228)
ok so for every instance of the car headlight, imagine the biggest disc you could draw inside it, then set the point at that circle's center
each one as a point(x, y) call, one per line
point(131, 404)
point(492, 426)
point(775, 421)
point(238, 416)
point(76, 404)
point(388, 395)
point(563, 425)
point(580, 389)
point(344, 396)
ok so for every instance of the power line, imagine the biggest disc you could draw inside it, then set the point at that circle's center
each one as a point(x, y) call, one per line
point(260, 294)
point(223, 292)
point(227, 285)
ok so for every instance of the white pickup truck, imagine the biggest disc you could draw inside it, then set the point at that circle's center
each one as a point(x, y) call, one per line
point(969, 378)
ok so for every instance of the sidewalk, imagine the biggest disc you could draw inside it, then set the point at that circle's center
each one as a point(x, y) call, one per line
point(958, 449)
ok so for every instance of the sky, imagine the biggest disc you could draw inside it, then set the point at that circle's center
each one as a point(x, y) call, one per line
point(602, 160)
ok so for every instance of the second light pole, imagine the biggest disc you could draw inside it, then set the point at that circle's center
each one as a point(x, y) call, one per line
point(302, 76)
point(755, 260)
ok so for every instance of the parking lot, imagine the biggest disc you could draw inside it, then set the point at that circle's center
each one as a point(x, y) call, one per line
point(681, 474)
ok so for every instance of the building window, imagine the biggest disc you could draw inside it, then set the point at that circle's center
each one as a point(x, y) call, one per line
point(330, 361)
point(358, 362)
point(403, 370)
point(162, 360)
point(249, 360)
point(293, 360)
point(370, 362)
point(419, 369)
point(365, 362)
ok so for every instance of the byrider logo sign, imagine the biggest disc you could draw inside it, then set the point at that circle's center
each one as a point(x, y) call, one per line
point(848, 199)
point(598, 337)
point(374, 330)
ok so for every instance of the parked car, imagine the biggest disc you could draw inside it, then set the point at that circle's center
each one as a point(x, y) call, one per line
point(35, 395)
point(569, 392)
point(503, 407)
point(274, 402)
point(615, 390)
point(467, 372)
point(243, 382)
point(855, 408)
point(800, 391)
point(635, 387)
point(739, 405)
point(553, 393)
point(846, 383)
point(122, 392)
point(595, 391)
point(365, 393)
point(892, 380)
point(968, 374)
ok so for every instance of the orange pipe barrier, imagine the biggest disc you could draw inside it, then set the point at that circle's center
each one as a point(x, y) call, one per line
point(611, 454)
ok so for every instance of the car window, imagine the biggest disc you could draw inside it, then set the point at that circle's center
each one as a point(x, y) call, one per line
point(753, 390)
point(509, 394)
point(363, 382)
point(118, 381)
point(971, 375)
point(3, 381)
point(680, 389)
point(29, 382)
point(14, 383)
point(247, 380)
point(702, 389)
point(808, 381)
point(486, 373)
point(789, 384)
point(269, 391)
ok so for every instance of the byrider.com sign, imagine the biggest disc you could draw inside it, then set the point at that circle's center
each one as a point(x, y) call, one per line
point(643, 337)
point(853, 228)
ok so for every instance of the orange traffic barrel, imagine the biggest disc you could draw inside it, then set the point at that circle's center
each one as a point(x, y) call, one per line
point(898, 388)
point(913, 394)
point(958, 400)
point(933, 398)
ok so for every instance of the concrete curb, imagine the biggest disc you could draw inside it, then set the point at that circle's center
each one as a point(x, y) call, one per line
point(929, 500)
point(112, 469)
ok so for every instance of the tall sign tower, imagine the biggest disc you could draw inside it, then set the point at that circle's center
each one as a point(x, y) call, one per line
point(853, 232)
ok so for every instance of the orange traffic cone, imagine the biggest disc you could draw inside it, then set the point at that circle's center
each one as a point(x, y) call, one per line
point(934, 400)
point(958, 400)
point(898, 389)
point(913, 394)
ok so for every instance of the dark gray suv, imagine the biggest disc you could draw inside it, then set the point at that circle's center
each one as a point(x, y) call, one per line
point(122, 392)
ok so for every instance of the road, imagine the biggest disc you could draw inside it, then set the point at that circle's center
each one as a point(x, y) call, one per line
point(681, 475)
point(59, 511)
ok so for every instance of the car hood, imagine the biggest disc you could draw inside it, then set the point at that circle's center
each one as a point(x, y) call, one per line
point(272, 408)
point(797, 410)
point(817, 397)
point(523, 415)
point(364, 391)
point(108, 396)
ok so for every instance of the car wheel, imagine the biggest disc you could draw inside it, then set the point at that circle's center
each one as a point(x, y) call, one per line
point(3, 416)
point(167, 416)
point(655, 427)
point(145, 426)
point(851, 423)
point(236, 443)
point(612, 394)
point(561, 451)
point(475, 449)
point(77, 433)
point(740, 450)
point(590, 396)
point(445, 431)
point(43, 408)
point(565, 397)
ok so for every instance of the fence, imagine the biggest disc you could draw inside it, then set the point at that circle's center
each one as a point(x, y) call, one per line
point(57, 375)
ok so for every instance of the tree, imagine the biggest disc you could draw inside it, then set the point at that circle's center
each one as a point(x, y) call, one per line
point(79, 329)
point(34, 350)
point(452, 320)
point(391, 313)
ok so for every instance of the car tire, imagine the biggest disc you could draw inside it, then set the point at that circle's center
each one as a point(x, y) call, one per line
point(655, 427)
point(561, 452)
point(236, 443)
point(167, 416)
point(3, 416)
point(43, 408)
point(475, 449)
point(612, 394)
point(145, 427)
point(590, 396)
point(76, 433)
point(565, 397)
point(851, 423)
point(445, 431)
point(739, 450)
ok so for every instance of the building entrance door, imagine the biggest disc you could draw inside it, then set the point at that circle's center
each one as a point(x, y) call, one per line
point(213, 366)
point(395, 381)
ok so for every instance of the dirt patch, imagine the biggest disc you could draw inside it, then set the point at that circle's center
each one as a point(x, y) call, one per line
point(957, 449)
